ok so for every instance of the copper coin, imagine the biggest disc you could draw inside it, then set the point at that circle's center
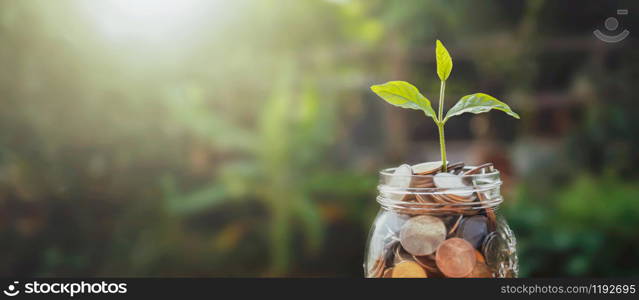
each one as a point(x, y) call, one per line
point(428, 263)
point(437, 198)
point(422, 182)
point(388, 273)
point(454, 227)
point(418, 183)
point(492, 219)
point(481, 270)
point(377, 269)
point(479, 169)
point(480, 257)
point(455, 167)
point(423, 198)
point(408, 269)
point(421, 235)
point(455, 258)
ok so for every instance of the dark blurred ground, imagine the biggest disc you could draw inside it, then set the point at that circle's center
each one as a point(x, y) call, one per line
point(239, 138)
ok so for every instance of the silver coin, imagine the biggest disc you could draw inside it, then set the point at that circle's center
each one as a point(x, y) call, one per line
point(427, 167)
point(399, 181)
point(422, 235)
point(491, 249)
point(452, 182)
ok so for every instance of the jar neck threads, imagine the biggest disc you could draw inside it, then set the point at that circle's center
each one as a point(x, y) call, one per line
point(439, 193)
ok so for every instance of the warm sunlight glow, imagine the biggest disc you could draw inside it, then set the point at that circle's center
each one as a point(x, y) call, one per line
point(148, 19)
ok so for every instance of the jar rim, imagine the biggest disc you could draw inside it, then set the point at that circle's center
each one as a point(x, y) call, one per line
point(418, 193)
point(390, 172)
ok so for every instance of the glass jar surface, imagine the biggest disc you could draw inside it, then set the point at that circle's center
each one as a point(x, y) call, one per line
point(440, 225)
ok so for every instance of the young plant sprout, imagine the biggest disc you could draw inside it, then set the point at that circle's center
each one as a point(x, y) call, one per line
point(405, 95)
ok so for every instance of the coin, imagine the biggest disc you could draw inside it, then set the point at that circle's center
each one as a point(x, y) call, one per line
point(393, 222)
point(389, 253)
point(479, 257)
point(377, 269)
point(492, 219)
point(408, 269)
point(422, 182)
point(453, 168)
point(399, 181)
point(427, 168)
point(418, 183)
point(473, 230)
point(454, 227)
point(452, 181)
point(491, 249)
point(421, 235)
point(461, 197)
point(479, 169)
point(455, 257)
point(428, 263)
point(481, 270)
point(400, 255)
point(388, 273)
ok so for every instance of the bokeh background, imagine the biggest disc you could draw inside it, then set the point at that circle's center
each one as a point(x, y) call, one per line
point(240, 138)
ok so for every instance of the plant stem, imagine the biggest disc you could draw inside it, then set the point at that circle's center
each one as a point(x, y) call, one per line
point(440, 125)
point(442, 146)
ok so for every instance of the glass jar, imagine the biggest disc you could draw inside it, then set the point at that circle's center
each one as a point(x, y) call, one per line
point(440, 225)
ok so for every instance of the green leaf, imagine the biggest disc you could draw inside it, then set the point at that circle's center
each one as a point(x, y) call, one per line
point(478, 103)
point(405, 95)
point(444, 62)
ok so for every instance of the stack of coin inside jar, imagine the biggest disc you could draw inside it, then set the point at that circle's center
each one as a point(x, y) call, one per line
point(449, 231)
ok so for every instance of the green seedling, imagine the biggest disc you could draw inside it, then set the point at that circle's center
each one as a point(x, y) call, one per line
point(406, 95)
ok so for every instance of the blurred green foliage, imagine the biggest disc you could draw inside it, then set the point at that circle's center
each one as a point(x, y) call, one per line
point(585, 229)
point(247, 143)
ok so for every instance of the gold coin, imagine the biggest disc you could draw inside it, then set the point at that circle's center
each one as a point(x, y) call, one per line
point(455, 257)
point(408, 269)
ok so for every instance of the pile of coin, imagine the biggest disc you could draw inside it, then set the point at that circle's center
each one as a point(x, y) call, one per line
point(455, 242)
